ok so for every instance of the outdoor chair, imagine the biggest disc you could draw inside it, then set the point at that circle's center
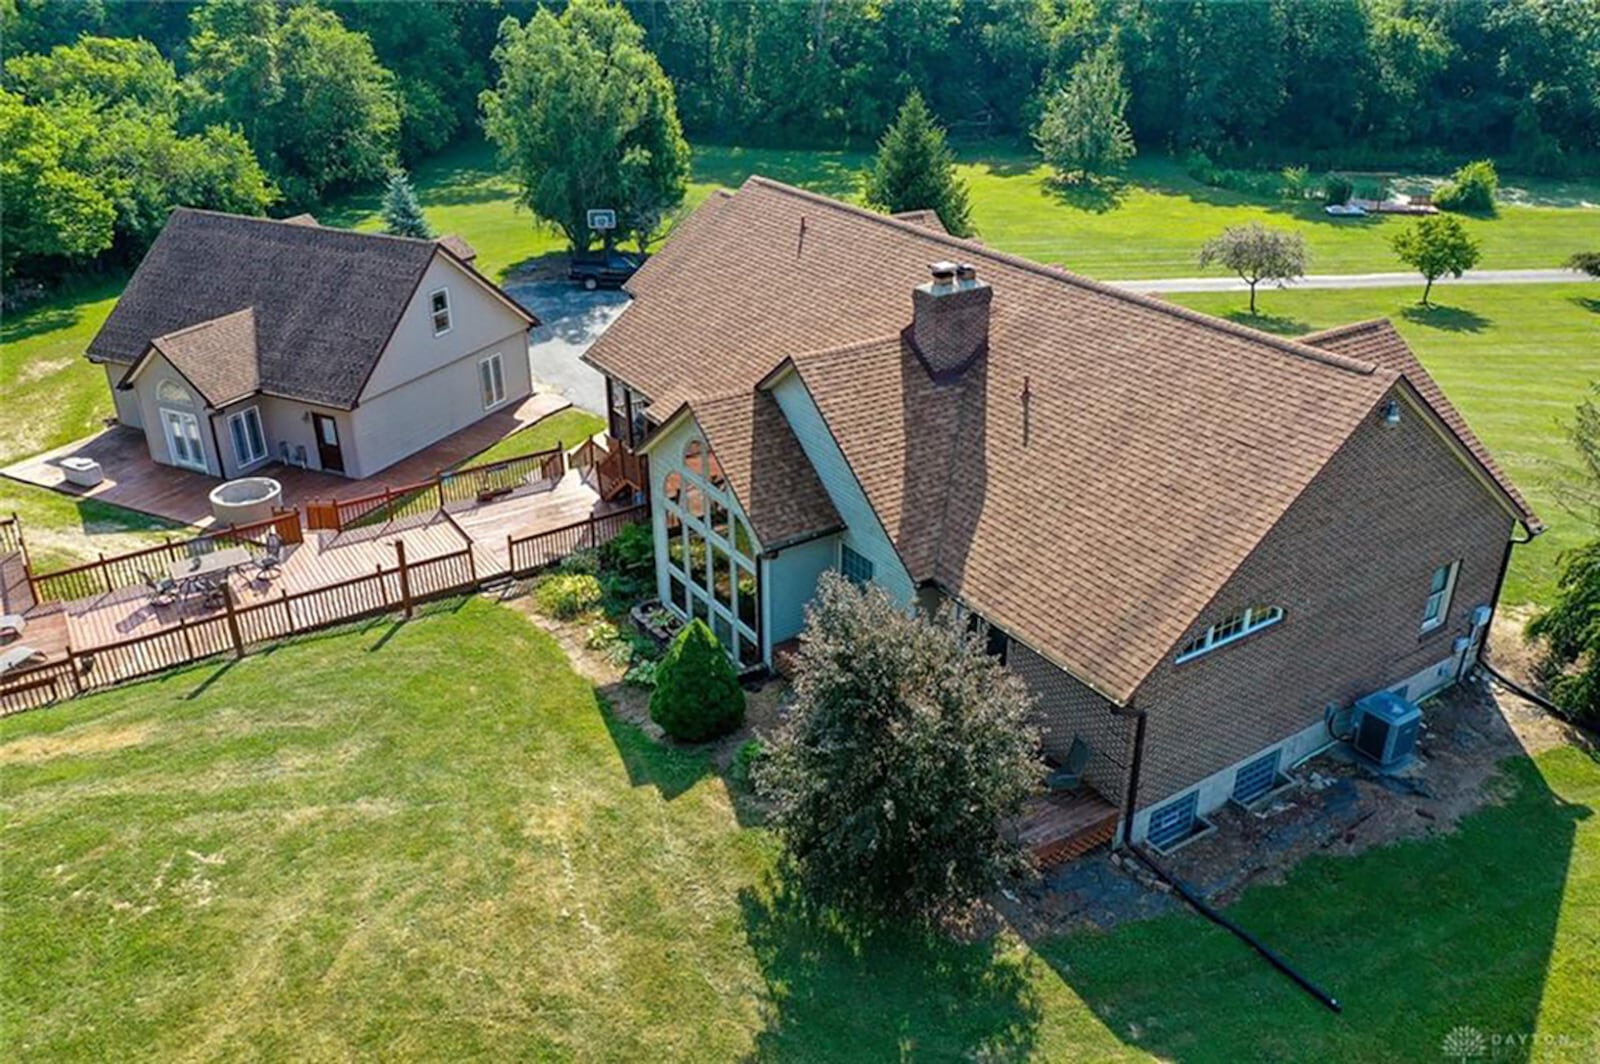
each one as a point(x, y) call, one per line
point(12, 625)
point(1068, 776)
point(272, 561)
point(17, 655)
point(163, 589)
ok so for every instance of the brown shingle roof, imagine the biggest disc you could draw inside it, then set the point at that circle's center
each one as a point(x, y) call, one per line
point(1088, 484)
point(325, 300)
point(1380, 343)
point(925, 218)
point(218, 357)
point(766, 468)
point(459, 246)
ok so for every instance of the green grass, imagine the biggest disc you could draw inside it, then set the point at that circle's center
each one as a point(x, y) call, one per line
point(52, 394)
point(431, 840)
point(1514, 359)
point(567, 428)
point(63, 531)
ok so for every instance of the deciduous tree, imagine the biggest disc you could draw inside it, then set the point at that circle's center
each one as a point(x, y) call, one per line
point(1435, 246)
point(1257, 253)
point(915, 170)
point(585, 118)
point(904, 751)
point(48, 209)
point(1083, 132)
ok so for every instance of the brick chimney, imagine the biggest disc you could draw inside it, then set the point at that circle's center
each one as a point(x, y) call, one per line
point(950, 318)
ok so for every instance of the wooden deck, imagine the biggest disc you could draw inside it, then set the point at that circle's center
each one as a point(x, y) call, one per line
point(325, 558)
point(571, 499)
point(1056, 828)
point(134, 481)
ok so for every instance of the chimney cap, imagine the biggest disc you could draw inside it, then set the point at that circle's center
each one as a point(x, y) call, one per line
point(943, 271)
point(966, 271)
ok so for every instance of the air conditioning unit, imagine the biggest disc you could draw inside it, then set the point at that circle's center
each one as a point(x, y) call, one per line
point(1385, 728)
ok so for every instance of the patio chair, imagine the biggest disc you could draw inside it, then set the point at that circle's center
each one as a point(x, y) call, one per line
point(1068, 775)
point(163, 590)
point(272, 561)
point(12, 625)
point(17, 655)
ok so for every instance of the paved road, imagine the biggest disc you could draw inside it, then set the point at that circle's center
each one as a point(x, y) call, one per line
point(572, 319)
point(1352, 280)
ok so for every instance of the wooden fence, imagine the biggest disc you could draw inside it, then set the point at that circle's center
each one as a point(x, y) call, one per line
point(16, 592)
point(528, 554)
point(238, 627)
point(479, 483)
point(130, 570)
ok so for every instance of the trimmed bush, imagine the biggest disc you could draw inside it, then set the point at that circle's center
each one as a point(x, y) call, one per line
point(1470, 189)
point(697, 695)
point(567, 595)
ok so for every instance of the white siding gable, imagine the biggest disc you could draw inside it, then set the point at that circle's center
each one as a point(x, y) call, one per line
point(864, 533)
point(478, 319)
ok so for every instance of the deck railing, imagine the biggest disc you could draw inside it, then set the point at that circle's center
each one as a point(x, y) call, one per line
point(107, 574)
point(528, 554)
point(479, 482)
point(236, 628)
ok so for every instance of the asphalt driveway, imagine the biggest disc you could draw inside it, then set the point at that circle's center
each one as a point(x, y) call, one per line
point(572, 320)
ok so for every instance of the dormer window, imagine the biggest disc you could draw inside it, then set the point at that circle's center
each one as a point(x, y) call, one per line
point(439, 305)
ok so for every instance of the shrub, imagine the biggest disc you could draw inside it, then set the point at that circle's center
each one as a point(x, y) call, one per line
point(1570, 669)
point(905, 749)
point(1585, 262)
point(1294, 183)
point(631, 553)
point(602, 635)
point(567, 595)
point(1337, 190)
point(581, 562)
point(1470, 189)
point(697, 695)
point(642, 673)
point(744, 762)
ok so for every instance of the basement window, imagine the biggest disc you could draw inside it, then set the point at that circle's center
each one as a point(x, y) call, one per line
point(1173, 823)
point(1234, 626)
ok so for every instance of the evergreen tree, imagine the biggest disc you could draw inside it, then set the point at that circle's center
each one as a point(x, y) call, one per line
point(1083, 132)
point(697, 695)
point(402, 214)
point(916, 170)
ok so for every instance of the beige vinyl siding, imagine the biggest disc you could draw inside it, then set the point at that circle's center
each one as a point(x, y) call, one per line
point(129, 412)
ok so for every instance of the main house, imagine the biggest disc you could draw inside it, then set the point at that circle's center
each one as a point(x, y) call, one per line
point(240, 341)
point(1157, 517)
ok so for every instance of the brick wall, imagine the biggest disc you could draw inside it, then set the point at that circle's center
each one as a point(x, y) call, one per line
point(1065, 707)
point(1350, 564)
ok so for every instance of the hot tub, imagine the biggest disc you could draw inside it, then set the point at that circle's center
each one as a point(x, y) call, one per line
point(248, 501)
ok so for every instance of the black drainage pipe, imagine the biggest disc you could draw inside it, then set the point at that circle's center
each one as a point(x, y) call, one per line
point(1199, 905)
point(1522, 692)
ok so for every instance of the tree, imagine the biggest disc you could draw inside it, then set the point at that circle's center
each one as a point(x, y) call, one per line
point(1083, 131)
point(1585, 262)
point(585, 118)
point(1435, 246)
point(1257, 253)
point(309, 94)
point(904, 751)
point(48, 209)
point(402, 214)
point(697, 694)
point(915, 170)
point(1471, 188)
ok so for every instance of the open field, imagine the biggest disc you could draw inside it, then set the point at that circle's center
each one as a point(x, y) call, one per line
point(432, 840)
point(1515, 359)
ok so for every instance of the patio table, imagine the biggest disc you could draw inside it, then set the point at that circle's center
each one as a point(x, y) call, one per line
point(203, 567)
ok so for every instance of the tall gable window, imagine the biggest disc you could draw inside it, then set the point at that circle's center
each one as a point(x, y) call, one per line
point(492, 381)
point(1234, 626)
point(439, 307)
point(710, 556)
point(1441, 587)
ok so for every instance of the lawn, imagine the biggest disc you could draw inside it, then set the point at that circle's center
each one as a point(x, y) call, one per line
point(1515, 359)
point(566, 428)
point(432, 840)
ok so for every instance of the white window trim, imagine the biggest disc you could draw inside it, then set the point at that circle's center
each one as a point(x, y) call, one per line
point(433, 315)
point(1445, 596)
point(243, 461)
point(166, 414)
point(1254, 620)
point(701, 525)
point(497, 376)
